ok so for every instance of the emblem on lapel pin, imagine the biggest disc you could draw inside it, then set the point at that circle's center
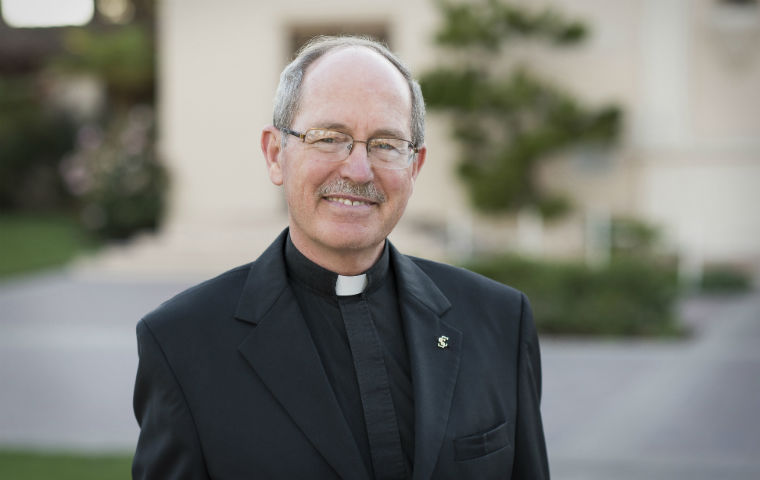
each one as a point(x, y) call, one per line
point(443, 341)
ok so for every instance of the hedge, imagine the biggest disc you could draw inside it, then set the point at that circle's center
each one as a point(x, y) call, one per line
point(626, 298)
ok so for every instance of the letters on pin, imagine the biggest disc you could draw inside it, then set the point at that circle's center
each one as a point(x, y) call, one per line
point(443, 341)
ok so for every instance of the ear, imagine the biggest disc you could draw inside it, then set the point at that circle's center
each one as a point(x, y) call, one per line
point(419, 160)
point(271, 147)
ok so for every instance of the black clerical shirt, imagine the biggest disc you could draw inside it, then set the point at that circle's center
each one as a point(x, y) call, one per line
point(314, 288)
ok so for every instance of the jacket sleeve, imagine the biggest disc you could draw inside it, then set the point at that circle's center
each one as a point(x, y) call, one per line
point(530, 461)
point(168, 446)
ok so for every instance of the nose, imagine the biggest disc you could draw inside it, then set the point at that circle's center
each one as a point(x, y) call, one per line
point(356, 166)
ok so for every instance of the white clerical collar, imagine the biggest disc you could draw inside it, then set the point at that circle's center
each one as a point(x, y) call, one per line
point(355, 285)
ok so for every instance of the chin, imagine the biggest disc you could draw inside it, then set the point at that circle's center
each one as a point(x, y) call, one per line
point(352, 238)
point(350, 242)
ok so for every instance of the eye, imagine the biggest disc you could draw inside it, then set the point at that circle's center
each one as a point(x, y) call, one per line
point(326, 137)
point(387, 144)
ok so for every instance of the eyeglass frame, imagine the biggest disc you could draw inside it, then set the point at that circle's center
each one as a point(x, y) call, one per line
point(414, 149)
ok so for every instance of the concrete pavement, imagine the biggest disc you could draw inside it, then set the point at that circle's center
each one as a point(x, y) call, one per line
point(68, 359)
point(612, 409)
point(659, 409)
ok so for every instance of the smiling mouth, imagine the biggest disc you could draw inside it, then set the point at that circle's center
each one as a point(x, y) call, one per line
point(348, 201)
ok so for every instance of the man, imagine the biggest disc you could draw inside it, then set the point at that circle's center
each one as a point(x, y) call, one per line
point(333, 355)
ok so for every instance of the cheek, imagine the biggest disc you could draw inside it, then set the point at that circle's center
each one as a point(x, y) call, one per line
point(302, 181)
point(398, 186)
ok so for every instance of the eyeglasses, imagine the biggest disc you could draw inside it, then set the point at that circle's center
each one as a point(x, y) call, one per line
point(332, 146)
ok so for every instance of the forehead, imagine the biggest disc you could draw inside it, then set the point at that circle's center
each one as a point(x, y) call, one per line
point(355, 83)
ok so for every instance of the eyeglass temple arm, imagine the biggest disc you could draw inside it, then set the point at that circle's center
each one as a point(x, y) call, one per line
point(302, 136)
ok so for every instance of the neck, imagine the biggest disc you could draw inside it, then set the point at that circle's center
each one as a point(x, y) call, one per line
point(345, 261)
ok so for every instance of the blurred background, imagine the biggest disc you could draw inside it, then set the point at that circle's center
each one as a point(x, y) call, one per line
point(602, 156)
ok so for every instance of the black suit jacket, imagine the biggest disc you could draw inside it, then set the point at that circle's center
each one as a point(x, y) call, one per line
point(230, 385)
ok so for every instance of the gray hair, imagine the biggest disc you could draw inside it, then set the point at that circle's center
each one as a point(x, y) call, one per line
point(287, 100)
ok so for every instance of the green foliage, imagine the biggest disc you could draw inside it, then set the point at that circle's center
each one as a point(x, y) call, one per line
point(633, 238)
point(116, 175)
point(506, 123)
point(32, 140)
point(32, 242)
point(725, 279)
point(38, 465)
point(487, 24)
point(123, 59)
point(627, 297)
point(104, 166)
point(113, 171)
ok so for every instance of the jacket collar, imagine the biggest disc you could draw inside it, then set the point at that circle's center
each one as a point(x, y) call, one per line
point(435, 349)
point(267, 280)
point(280, 350)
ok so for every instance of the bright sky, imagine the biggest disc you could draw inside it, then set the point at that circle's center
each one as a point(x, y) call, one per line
point(47, 13)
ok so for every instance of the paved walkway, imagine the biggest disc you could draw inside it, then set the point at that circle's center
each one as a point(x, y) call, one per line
point(659, 410)
point(68, 359)
point(612, 410)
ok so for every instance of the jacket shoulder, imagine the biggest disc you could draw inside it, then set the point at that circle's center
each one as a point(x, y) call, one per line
point(218, 295)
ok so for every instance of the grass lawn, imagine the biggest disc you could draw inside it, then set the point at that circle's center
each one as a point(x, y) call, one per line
point(62, 466)
point(31, 242)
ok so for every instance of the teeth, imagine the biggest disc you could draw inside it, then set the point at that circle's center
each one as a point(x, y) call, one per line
point(346, 201)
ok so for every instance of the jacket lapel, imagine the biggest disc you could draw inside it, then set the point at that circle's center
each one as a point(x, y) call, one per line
point(434, 353)
point(282, 353)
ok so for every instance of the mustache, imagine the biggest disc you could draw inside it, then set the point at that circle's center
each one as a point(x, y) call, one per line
point(346, 187)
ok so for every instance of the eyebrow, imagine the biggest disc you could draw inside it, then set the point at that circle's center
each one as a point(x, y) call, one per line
point(380, 133)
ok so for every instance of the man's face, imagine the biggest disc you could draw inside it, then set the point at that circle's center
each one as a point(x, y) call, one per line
point(355, 91)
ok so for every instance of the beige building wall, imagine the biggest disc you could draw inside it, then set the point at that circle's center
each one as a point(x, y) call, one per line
point(686, 72)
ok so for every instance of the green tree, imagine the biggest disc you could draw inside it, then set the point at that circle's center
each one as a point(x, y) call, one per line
point(507, 120)
point(121, 57)
point(33, 137)
point(114, 170)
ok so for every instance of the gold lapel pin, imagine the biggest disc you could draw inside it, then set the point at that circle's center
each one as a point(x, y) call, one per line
point(443, 341)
